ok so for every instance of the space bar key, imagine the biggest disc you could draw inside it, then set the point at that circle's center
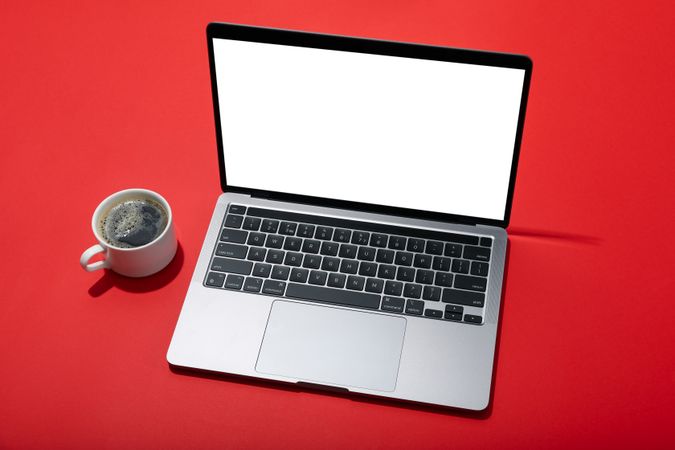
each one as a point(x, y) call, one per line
point(337, 296)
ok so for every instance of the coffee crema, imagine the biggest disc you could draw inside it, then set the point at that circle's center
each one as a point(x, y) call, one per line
point(133, 222)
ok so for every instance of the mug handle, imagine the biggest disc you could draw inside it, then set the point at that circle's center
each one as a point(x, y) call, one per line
point(88, 254)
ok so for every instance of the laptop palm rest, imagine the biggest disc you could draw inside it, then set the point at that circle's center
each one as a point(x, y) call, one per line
point(325, 345)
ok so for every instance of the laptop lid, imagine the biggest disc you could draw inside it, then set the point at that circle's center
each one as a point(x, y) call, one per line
point(388, 127)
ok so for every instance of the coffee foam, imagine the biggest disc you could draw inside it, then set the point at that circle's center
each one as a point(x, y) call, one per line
point(133, 222)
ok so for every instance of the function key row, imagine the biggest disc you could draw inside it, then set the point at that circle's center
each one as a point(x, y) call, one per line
point(338, 227)
point(376, 240)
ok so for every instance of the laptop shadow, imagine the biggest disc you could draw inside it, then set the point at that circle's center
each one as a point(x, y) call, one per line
point(336, 393)
point(357, 397)
point(561, 237)
point(139, 285)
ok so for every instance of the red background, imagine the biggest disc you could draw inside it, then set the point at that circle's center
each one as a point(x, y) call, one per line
point(100, 97)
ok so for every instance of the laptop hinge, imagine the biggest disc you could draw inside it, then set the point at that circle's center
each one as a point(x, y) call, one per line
point(272, 196)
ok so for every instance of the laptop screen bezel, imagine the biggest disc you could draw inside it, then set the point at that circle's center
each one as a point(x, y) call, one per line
point(377, 47)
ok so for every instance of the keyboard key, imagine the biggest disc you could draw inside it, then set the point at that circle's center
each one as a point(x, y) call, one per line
point(274, 287)
point(414, 307)
point(342, 235)
point(434, 248)
point(443, 279)
point(432, 293)
point(368, 269)
point(311, 246)
point(386, 271)
point(311, 261)
point(280, 272)
point(374, 285)
point(293, 244)
point(232, 250)
point(274, 241)
point(415, 245)
point(336, 280)
point(237, 209)
point(466, 298)
point(422, 261)
point(479, 268)
point(318, 277)
point(392, 304)
point(424, 276)
point(288, 228)
point(275, 256)
point(335, 296)
point(349, 266)
point(472, 319)
point(232, 266)
point(477, 253)
point(251, 223)
point(453, 316)
point(435, 313)
point(234, 282)
point(215, 279)
point(404, 258)
point(299, 275)
point(355, 282)
point(385, 256)
point(329, 248)
point(393, 288)
point(233, 236)
point(460, 266)
point(233, 221)
point(330, 264)
point(306, 231)
point(360, 237)
point(256, 239)
point(412, 290)
point(378, 240)
point(470, 283)
point(405, 274)
point(324, 233)
point(269, 226)
point(262, 270)
point(397, 243)
point(455, 309)
point(485, 242)
point(442, 263)
point(454, 250)
point(366, 253)
point(348, 251)
point(253, 284)
point(293, 259)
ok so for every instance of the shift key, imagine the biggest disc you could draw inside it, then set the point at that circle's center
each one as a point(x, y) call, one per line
point(470, 283)
point(231, 266)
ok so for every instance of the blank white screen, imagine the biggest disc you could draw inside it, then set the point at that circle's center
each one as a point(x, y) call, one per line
point(393, 131)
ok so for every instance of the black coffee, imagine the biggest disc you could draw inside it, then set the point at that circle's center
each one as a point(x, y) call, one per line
point(133, 222)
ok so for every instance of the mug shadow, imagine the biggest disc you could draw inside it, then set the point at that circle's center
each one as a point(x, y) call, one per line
point(139, 285)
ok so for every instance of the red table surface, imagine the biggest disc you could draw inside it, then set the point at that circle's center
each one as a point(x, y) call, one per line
point(100, 97)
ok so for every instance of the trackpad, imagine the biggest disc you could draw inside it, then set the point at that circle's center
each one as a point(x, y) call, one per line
point(325, 345)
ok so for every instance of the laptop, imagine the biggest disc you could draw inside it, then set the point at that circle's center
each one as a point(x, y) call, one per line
point(359, 241)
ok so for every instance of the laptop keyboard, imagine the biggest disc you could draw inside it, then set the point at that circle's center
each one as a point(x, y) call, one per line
point(351, 263)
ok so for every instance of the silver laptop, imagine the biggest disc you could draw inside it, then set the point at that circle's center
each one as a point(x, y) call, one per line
point(359, 241)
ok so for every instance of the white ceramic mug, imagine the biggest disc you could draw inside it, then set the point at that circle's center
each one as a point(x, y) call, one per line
point(136, 261)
